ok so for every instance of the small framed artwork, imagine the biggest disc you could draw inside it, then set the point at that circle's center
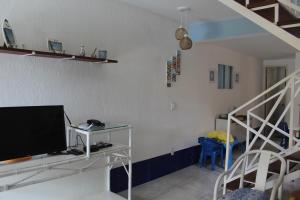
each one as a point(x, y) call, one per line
point(178, 62)
point(169, 73)
point(174, 67)
point(237, 77)
point(55, 46)
point(211, 76)
point(8, 35)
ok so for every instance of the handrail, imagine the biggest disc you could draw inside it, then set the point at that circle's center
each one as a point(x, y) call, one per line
point(290, 82)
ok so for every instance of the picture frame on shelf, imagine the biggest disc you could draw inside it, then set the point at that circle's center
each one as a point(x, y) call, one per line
point(8, 35)
point(55, 46)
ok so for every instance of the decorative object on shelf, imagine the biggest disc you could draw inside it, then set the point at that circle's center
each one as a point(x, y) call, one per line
point(169, 73)
point(93, 55)
point(211, 76)
point(82, 50)
point(23, 46)
point(237, 77)
point(178, 62)
point(102, 54)
point(181, 33)
point(55, 46)
point(8, 35)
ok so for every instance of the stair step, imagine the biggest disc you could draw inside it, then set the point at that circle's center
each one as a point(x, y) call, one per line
point(294, 31)
point(273, 168)
point(251, 177)
point(233, 185)
point(242, 2)
point(269, 13)
point(289, 22)
point(294, 156)
point(261, 3)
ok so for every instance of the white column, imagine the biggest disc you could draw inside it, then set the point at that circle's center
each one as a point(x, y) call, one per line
point(130, 163)
point(108, 166)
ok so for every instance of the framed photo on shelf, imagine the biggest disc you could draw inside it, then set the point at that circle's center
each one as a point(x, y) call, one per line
point(8, 35)
point(55, 46)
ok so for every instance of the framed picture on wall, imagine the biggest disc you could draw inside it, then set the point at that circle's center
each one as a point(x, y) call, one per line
point(237, 77)
point(211, 76)
point(178, 62)
point(174, 68)
point(169, 73)
point(8, 35)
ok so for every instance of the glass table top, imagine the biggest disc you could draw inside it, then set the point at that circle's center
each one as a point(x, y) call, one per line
point(108, 126)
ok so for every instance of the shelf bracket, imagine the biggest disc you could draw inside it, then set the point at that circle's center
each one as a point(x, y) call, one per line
point(105, 61)
point(70, 58)
point(30, 54)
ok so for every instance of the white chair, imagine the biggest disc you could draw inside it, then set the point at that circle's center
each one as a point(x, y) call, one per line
point(258, 192)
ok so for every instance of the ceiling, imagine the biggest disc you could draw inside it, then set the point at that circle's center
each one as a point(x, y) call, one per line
point(264, 46)
point(206, 10)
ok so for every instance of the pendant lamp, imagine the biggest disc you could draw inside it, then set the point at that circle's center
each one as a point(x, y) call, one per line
point(181, 33)
point(186, 43)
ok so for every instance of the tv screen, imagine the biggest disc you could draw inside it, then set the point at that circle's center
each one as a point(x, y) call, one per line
point(29, 131)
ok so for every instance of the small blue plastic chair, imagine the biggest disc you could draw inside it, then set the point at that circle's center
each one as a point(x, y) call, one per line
point(210, 148)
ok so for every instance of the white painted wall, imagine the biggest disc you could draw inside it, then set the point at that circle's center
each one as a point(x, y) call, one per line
point(134, 90)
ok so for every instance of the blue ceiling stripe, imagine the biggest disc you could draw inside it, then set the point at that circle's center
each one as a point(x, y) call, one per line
point(200, 31)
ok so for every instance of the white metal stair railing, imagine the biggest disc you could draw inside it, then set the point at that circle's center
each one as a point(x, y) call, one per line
point(291, 91)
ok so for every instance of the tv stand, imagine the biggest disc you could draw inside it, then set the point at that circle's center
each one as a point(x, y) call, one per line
point(67, 177)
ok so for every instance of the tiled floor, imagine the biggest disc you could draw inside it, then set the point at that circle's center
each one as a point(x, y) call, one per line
point(192, 183)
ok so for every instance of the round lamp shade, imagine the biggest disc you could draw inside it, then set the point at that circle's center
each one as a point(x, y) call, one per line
point(186, 43)
point(180, 32)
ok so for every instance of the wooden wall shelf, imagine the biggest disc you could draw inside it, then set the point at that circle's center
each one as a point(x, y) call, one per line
point(27, 52)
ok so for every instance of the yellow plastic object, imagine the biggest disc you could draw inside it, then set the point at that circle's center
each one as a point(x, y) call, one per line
point(220, 136)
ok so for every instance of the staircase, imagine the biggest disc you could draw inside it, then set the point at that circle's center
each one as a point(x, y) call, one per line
point(266, 135)
point(278, 17)
point(282, 19)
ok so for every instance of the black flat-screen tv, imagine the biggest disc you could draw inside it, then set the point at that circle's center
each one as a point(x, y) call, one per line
point(33, 130)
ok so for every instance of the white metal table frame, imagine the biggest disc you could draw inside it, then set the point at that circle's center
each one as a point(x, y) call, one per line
point(112, 159)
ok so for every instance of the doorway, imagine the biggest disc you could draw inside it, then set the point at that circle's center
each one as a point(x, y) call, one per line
point(273, 74)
